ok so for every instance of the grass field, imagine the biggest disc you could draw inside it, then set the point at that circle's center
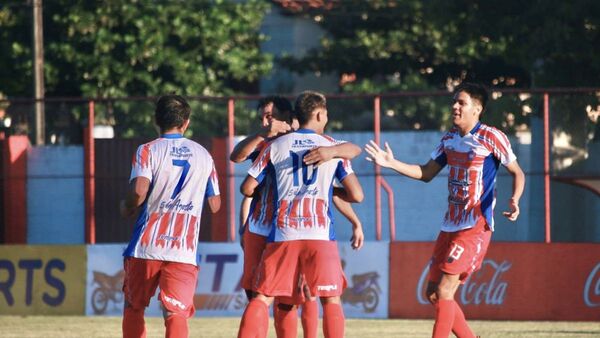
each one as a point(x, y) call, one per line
point(84, 327)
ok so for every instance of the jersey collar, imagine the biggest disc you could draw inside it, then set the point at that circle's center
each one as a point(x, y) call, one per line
point(476, 128)
point(305, 131)
point(171, 135)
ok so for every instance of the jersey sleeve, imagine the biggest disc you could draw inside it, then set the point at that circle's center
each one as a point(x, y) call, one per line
point(438, 154)
point(141, 164)
point(254, 155)
point(344, 168)
point(259, 166)
point(499, 145)
point(212, 185)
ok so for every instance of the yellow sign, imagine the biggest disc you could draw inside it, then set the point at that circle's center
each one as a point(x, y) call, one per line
point(42, 280)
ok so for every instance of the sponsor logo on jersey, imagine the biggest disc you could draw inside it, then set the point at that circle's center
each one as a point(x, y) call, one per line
point(176, 205)
point(303, 143)
point(182, 151)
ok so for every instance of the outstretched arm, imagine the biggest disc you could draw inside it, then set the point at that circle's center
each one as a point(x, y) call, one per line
point(320, 155)
point(518, 186)
point(385, 158)
point(345, 209)
point(138, 190)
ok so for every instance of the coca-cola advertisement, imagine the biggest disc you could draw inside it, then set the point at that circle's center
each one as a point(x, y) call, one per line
point(517, 281)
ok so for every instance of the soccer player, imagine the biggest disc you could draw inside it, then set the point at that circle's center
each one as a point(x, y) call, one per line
point(171, 177)
point(302, 240)
point(473, 152)
point(277, 119)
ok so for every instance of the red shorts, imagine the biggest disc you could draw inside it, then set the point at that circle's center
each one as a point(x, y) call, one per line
point(459, 253)
point(283, 264)
point(177, 282)
point(254, 245)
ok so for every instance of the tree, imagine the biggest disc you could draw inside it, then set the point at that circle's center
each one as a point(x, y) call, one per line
point(397, 45)
point(124, 48)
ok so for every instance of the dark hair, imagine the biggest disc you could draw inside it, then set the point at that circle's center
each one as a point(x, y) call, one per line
point(283, 105)
point(476, 91)
point(171, 111)
point(306, 103)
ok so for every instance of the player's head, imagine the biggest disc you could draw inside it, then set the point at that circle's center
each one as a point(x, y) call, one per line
point(275, 107)
point(172, 111)
point(469, 102)
point(311, 106)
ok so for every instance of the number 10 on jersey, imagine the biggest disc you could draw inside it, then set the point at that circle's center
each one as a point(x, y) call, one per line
point(298, 162)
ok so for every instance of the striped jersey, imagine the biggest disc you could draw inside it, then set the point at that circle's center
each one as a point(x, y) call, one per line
point(181, 174)
point(262, 207)
point(473, 162)
point(303, 193)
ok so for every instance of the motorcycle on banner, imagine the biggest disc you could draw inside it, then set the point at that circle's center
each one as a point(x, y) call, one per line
point(108, 288)
point(364, 290)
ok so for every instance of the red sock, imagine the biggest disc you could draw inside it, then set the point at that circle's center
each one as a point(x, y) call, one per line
point(255, 321)
point(133, 323)
point(460, 328)
point(333, 320)
point(285, 317)
point(444, 318)
point(310, 318)
point(176, 326)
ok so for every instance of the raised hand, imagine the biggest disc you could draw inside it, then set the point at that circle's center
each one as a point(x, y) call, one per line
point(378, 155)
point(275, 128)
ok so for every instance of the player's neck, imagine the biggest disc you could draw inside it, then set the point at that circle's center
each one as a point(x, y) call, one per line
point(464, 130)
point(173, 131)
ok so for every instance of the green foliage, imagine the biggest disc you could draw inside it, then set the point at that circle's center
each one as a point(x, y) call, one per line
point(389, 46)
point(121, 48)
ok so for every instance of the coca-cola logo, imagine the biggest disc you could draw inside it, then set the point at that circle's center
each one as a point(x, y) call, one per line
point(482, 287)
point(591, 290)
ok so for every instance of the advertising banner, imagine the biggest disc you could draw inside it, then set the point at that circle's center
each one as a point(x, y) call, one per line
point(517, 281)
point(367, 273)
point(218, 292)
point(42, 280)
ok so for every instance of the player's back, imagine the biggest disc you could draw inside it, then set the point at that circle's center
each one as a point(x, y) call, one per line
point(181, 174)
point(304, 192)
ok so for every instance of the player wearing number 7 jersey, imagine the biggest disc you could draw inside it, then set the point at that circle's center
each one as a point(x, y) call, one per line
point(170, 179)
point(302, 238)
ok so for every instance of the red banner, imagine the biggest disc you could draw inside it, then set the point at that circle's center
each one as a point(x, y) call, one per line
point(517, 281)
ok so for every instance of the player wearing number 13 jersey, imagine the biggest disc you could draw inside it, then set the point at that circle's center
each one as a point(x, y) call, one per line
point(302, 239)
point(170, 179)
point(473, 152)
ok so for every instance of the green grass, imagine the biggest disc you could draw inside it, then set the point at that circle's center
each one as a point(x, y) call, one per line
point(72, 326)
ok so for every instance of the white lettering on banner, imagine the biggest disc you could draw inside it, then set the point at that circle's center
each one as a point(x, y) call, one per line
point(591, 290)
point(493, 292)
point(422, 285)
point(474, 291)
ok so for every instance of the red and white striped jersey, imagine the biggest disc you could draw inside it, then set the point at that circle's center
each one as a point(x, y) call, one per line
point(302, 193)
point(181, 174)
point(473, 162)
point(262, 207)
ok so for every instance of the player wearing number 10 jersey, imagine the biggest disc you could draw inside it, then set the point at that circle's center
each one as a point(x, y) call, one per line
point(302, 238)
point(170, 179)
